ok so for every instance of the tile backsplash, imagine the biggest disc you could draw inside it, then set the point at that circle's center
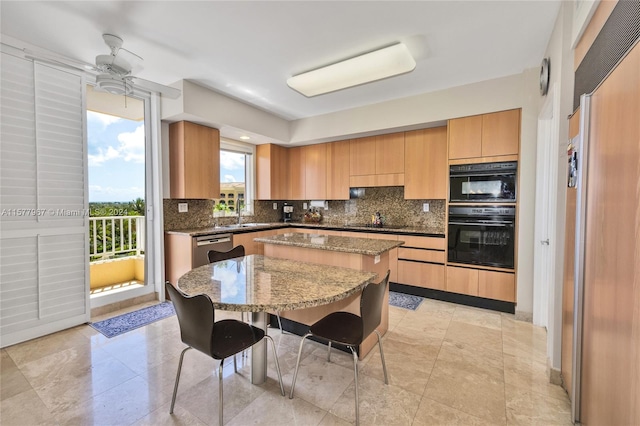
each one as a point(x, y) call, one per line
point(388, 201)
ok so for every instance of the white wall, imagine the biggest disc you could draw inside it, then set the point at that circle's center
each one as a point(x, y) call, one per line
point(562, 77)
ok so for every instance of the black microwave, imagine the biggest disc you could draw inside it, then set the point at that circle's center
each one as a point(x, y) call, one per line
point(483, 182)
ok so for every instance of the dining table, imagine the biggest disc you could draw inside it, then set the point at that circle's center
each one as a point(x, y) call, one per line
point(260, 284)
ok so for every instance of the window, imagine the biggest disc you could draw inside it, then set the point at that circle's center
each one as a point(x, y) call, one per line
point(236, 177)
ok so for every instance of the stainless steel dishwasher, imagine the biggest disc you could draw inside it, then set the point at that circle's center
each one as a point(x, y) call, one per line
point(204, 243)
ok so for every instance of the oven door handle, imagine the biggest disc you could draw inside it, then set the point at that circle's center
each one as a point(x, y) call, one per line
point(499, 224)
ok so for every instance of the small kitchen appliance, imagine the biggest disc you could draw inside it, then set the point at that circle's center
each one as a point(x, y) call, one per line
point(287, 212)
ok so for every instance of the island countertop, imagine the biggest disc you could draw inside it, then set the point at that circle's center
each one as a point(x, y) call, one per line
point(366, 246)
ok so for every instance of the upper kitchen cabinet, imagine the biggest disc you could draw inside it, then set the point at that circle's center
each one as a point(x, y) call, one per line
point(338, 170)
point(194, 161)
point(487, 135)
point(272, 172)
point(315, 171)
point(296, 173)
point(425, 165)
point(377, 160)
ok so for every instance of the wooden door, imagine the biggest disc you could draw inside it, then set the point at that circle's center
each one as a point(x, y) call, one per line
point(501, 133)
point(362, 156)
point(338, 170)
point(315, 171)
point(272, 172)
point(497, 285)
point(462, 280)
point(426, 172)
point(390, 153)
point(610, 381)
point(296, 173)
point(465, 137)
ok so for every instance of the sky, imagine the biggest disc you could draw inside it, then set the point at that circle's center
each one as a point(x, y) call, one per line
point(116, 159)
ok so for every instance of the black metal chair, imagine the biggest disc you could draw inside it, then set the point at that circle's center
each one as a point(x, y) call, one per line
point(217, 256)
point(217, 339)
point(351, 330)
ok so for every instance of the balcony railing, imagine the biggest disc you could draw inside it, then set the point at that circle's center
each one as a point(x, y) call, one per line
point(116, 236)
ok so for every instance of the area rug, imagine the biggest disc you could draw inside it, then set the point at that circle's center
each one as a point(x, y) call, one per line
point(406, 301)
point(126, 322)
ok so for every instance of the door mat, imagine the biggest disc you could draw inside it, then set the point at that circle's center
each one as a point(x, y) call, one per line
point(406, 301)
point(126, 322)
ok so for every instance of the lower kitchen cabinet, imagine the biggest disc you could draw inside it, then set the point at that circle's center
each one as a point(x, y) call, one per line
point(421, 262)
point(489, 284)
point(250, 246)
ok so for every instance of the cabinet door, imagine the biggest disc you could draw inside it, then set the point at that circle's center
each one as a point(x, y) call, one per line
point(194, 160)
point(272, 172)
point(425, 171)
point(497, 285)
point(362, 156)
point(501, 133)
point(390, 153)
point(462, 280)
point(296, 173)
point(465, 137)
point(427, 275)
point(315, 170)
point(338, 170)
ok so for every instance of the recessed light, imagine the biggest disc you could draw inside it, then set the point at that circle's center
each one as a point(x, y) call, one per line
point(245, 138)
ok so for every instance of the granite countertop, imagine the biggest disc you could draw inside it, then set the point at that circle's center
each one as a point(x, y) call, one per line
point(366, 246)
point(250, 227)
point(256, 283)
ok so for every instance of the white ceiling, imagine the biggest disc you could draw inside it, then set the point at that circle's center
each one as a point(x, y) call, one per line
point(247, 50)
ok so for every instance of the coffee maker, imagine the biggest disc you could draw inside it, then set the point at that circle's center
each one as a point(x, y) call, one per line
point(287, 212)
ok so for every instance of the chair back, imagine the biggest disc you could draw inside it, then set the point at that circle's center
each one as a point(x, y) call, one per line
point(195, 316)
point(371, 305)
point(216, 256)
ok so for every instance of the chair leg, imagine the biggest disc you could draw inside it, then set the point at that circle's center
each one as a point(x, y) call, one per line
point(329, 353)
point(295, 373)
point(355, 373)
point(275, 358)
point(235, 364)
point(220, 399)
point(279, 322)
point(175, 386)
point(384, 365)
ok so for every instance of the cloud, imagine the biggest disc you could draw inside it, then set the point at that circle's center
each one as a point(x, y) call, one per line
point(103, 155)
point(230, 178)
point(104, 119)
point(231, 160)
point(109, 193)
point(132, 145)
point(130, 149)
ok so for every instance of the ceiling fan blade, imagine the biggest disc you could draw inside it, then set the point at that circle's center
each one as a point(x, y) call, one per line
point(170, 92)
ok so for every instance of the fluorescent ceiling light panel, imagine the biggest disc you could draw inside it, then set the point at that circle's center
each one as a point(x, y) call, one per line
point(372, 66)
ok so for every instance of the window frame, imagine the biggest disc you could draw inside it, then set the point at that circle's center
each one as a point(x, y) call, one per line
point(249, 150)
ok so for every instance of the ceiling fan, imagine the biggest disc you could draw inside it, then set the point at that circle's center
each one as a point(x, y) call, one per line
point(115, 71)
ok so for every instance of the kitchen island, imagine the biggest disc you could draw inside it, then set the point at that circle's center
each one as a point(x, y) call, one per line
point(363, 254)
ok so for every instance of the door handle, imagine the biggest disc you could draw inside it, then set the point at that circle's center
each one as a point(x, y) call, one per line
point(545, 242)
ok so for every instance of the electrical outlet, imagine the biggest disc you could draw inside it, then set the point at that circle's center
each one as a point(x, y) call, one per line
point(183, 207)
point(425, 207)
point(275, 206)
point(304, 206)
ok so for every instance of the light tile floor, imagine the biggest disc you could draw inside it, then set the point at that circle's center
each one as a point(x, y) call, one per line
point(447, 365)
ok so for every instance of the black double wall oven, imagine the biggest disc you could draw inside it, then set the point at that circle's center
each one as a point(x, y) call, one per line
point(482, 234)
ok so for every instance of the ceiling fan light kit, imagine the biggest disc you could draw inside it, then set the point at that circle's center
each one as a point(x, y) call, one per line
point(383, 63)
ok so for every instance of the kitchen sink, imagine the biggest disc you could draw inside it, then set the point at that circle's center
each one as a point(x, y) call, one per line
point(244, 225)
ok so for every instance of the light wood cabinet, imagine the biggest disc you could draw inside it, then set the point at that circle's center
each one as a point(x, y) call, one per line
point(272, 172)
point(338, 170)
point(377, 161)
point(425, 166)
point(462, 280)
point(297, 173)
point(250, 246)
point(489, 284)
point(487, 135)
point(362, 156)
point(194, 161)
point(393, 253)
point(421, 262)
point(315, 171)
